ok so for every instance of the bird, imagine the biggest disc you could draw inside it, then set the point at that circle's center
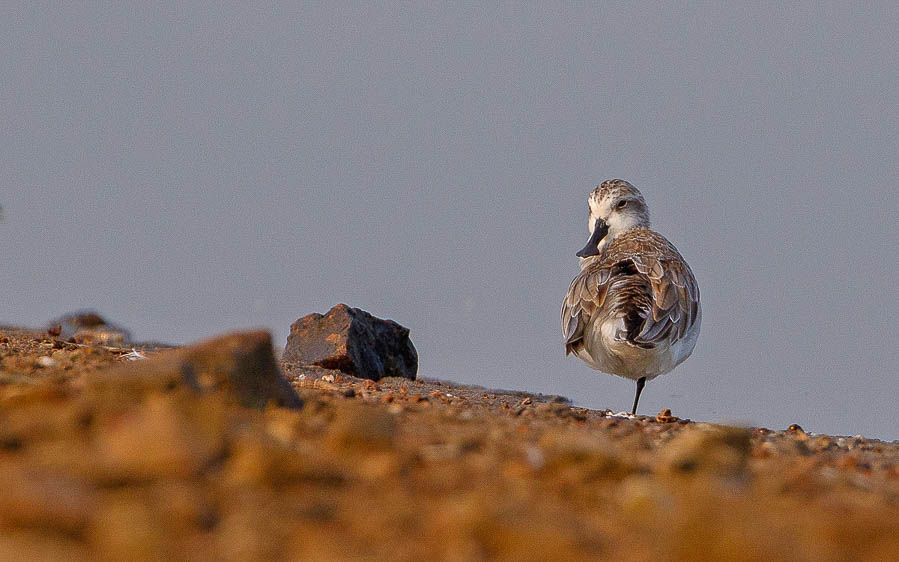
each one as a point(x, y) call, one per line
point(633, 310)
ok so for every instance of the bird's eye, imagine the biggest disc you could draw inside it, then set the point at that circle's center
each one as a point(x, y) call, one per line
point(621, 204)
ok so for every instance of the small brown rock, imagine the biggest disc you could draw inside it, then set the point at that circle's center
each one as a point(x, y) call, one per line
point(579, 414)
point(88, 328)
point(45, 362)
point(353, 341)
point(666, 417)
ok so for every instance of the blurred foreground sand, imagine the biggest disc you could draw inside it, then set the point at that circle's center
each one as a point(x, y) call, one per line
point(408, 470)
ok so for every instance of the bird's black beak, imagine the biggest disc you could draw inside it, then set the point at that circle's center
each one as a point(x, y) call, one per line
point(600, 229)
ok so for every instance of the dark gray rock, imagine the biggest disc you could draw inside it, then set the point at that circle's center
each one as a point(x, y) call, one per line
point(353, 341)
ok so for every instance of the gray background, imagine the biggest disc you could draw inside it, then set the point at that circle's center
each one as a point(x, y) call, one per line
point(199, 168)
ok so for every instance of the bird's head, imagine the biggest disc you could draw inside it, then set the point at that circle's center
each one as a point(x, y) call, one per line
point(615, 207)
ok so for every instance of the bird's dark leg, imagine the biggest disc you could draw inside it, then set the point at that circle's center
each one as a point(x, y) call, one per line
point(641, 382)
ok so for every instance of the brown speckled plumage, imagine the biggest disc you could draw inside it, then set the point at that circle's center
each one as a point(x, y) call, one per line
point(637, 273)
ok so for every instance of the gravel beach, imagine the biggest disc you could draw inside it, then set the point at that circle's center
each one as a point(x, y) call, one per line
point(100, 459)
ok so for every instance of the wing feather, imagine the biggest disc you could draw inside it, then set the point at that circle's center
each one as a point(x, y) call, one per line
point(675, 302)
point(675, 294)
point(586, 294)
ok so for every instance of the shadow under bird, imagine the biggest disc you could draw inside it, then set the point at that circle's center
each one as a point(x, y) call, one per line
point(633, 310)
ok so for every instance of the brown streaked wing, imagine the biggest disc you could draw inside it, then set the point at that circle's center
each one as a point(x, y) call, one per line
point(675, 293)
point(586, 294)
point(675, 301)
point(675, 305)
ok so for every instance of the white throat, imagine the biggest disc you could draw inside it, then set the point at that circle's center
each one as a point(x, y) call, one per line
point(618, 225)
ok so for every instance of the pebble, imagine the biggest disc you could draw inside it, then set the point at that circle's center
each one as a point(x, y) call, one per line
point(45, 362)
point(134, 355)
point(665, 416)
point(534, 457)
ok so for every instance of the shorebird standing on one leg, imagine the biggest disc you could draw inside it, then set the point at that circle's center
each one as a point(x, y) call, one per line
point(633, 310)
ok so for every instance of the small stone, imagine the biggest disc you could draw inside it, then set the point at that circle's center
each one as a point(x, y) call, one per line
point(578, 414)
point(353, 341)
point(134, 355)
point(45, 362)
point(534, 457)
point(666, 417)
point(88, 328)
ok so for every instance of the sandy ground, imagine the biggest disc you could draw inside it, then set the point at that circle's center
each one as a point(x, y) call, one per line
point(408, 470)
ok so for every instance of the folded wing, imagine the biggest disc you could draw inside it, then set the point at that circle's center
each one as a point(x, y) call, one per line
point(586, 294)
point(674, 307)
